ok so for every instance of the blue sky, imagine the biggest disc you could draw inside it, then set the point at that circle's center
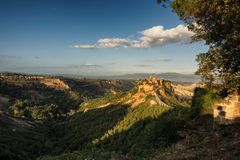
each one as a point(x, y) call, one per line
point(92, 37)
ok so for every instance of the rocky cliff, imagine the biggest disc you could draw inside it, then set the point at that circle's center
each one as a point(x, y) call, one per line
point(162, 87)
point(55, 83)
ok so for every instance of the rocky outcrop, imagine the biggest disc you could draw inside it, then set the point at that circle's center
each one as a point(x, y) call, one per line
point(55, 83)
point(158, 88)
point(227, 111)
point(186, 91)
point(161, 87)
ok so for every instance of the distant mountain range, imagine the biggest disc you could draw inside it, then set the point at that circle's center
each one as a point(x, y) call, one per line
point(172, 76)
point(178, 77)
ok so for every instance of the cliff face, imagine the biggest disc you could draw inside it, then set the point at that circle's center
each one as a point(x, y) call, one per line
point(55, 83)
point(147, 92)
point(162, 87)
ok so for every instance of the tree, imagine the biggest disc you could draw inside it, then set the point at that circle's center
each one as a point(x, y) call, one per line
point(217, 22)
point(17, 109)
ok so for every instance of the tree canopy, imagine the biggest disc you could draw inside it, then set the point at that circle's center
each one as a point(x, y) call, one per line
point(217, 22)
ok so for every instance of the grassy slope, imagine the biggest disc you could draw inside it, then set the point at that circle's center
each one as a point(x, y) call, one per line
point(119, 130)
point(18, 142)
point(151, 132)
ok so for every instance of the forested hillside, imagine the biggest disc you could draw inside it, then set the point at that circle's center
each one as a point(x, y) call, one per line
point(150, 121)
point(120, 80)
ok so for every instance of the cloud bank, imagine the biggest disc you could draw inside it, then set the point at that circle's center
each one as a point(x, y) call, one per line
point(150, 38)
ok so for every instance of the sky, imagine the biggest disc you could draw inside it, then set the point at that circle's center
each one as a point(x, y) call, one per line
point(93, 37)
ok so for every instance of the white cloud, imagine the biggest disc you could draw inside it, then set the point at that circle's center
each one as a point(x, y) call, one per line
point(150, 38)
point(113, 42)
point(89, 65)
point(158, 36)
point(85, 46)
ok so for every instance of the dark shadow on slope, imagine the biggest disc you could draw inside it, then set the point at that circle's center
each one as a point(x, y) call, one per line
point(82, 128)
point(21, 140)
point(148, 134)
point(93, 88)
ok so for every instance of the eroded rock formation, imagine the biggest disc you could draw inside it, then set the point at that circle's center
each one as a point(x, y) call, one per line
point(158, 88)
point(161, 87)
point(55, 83)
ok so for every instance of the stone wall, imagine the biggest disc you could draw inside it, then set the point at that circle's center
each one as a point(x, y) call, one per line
point(227, 111)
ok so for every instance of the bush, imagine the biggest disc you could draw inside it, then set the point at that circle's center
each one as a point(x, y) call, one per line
point(202, 102)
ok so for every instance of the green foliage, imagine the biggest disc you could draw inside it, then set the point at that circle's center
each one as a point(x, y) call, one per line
point(26, 109)
point(117, 130)
point(142, 130)
point(108, 99)
point(203, 101)
point(95, 131)
point(82, 128)
point(54, 121)
point(47, 103)
point(120, 131)
point(216, 22)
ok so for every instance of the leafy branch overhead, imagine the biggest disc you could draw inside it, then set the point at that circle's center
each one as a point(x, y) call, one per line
point(218, 24)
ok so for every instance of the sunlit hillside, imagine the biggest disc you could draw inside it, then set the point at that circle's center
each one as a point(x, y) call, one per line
point(119, 80)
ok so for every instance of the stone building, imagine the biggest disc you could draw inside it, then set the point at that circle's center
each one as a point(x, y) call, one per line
point(227, 111)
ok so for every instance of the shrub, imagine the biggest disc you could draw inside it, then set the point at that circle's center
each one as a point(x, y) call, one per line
point(202, 102)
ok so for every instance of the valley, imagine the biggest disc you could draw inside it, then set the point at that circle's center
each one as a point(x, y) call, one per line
point(48, 118)
point(120, 80)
